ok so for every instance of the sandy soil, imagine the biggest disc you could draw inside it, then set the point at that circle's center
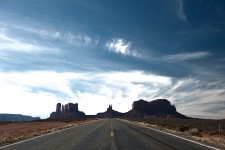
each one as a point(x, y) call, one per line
point(12, 132)
point(217, 140)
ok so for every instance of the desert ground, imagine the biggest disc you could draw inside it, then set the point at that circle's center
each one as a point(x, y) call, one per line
point(14, 131)
point(203, 130)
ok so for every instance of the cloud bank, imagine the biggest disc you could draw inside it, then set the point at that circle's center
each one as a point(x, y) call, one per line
point(39, 91)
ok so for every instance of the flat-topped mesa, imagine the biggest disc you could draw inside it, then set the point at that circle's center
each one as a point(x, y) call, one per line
point(67, 111)
point(158, 107)
point(140, 104)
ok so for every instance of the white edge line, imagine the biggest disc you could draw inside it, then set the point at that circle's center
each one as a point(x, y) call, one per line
point(173, 135)
point(36, 137)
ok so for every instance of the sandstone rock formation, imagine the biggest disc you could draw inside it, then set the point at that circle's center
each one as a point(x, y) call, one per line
point(67, 111)
point(110, 113)
point(157, 108)
point(140, 108)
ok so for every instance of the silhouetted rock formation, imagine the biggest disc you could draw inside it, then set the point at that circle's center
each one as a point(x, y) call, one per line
point(110, 113)
point(158, 108)
point(58, 108)
point(67, 111)
point(140, 108)
point(16, 118)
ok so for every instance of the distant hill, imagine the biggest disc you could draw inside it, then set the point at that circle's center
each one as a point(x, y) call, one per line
point(16, 117)
point(157, 108)
point(110, 113)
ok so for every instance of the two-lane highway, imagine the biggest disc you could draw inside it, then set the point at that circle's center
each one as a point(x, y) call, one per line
point(105, 135)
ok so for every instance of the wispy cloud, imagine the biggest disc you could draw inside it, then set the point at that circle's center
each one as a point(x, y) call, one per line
point(8, 43)
point(180, 10)
point(120, 46)
point(6, 38)
point(186, 56)
point(198, 97)
point(68, 37)
point(20, 47)
point(80, 40)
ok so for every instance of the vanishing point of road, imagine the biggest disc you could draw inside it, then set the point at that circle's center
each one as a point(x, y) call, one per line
point(108, 134)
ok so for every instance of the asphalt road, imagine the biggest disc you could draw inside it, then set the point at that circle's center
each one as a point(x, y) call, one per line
point(105, 135)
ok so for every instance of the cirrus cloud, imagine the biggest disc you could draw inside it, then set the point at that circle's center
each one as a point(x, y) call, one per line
point(180, 10)
point(8, 44)
point(186, 56)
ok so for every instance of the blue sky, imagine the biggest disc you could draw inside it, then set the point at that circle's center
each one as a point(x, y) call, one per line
point(98, 52)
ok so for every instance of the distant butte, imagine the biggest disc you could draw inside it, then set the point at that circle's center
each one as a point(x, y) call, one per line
point(157, 108)
point(110, 113)
point(67, 111)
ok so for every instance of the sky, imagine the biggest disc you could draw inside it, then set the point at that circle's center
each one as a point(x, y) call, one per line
point(101, 52)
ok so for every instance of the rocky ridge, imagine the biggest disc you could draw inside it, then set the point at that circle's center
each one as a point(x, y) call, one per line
point(141, 108)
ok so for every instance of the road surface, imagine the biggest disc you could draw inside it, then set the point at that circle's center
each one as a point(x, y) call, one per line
point(107, 134)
